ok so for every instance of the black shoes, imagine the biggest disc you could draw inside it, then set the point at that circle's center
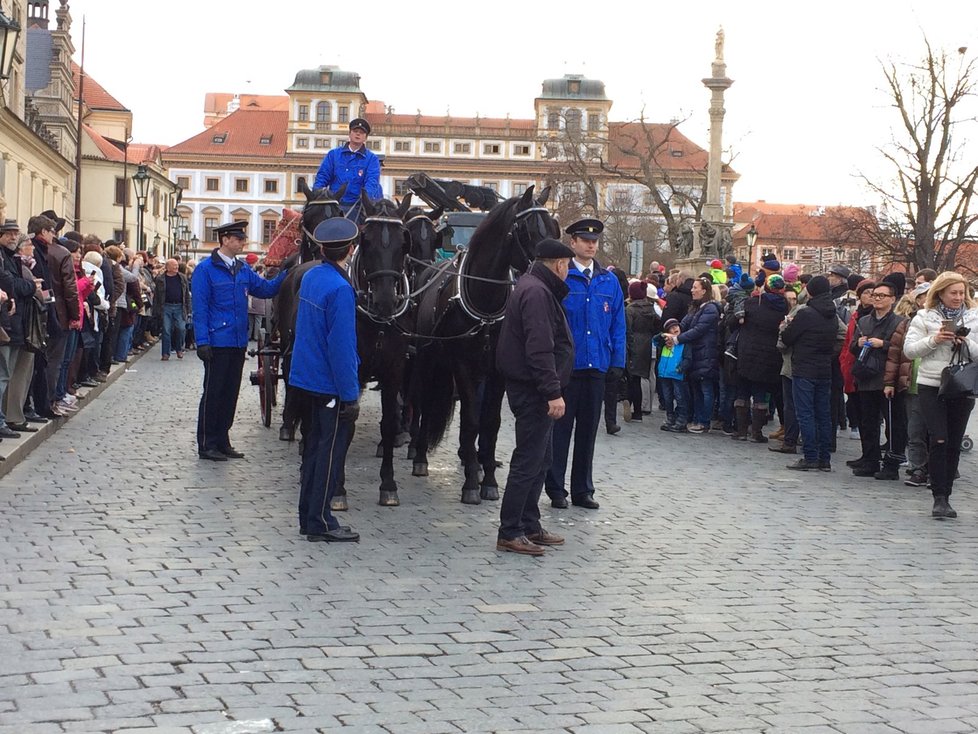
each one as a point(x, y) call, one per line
point(212, 455)
point(7, 432)
point(587, 502)
point(888, 472)
point(34, 418)
point(917, 478)
point(825, 466)
point(22, 427)
point(232, 453)
point(559, 502)
point(342, 534)
point(612, 428)
point(865, 470)
point(942, 508)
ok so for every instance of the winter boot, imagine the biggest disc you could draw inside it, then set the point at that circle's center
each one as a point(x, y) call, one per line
point(757, 420)
point(942, 508)
point(742, 418)
point(889, 471)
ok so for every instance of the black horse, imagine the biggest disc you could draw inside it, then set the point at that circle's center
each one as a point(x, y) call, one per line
point(459, 313)
point(383, 302)
point(321, 204)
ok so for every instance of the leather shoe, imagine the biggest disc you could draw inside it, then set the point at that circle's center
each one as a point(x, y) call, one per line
point(613, 428)
point(232, 453)
point(22, 427)
point(6, 432)
point(587, 501)
point(303, 531)
point(343, 534)
point(212, 455)
point(559, 502)
point(35, 418)
point(521, 545)
point(545, 537)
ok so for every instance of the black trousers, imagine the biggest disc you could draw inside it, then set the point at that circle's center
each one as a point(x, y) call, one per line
point(946, 422)
point(109, 340)
point(583, 396)
point(635, 396)
point(222, 381)
point(323, 459)
point(872, 404)
point(519, 513)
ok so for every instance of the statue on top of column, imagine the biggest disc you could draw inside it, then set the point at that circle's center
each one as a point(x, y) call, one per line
point(719, 46)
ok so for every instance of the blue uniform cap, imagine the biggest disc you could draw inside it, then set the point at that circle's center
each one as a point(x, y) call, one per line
point(360, 123)
point(586, 229)
point(232, 229)
point(335, 232)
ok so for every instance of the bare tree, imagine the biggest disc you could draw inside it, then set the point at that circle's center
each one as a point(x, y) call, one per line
point(928, 205)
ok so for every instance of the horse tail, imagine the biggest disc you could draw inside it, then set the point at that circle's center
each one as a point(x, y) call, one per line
point(433, 390)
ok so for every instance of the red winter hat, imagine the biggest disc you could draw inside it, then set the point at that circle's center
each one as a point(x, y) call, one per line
point(716, 265)
point(251, 258)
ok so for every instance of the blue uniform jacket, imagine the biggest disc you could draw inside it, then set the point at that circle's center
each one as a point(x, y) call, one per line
point(596, 314)
point(359, 170)
point(220, 300)
point(325, 359)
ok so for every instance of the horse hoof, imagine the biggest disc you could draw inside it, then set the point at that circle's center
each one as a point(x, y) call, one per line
point(286, 434)
point(420, 470)
point(380, 450)
point(471, 497)
point(402, 439)
point(490, 493)
point(339, 504)
point(412, 452)
point(388, 498)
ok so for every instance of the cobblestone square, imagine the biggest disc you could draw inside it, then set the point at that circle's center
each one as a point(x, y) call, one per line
point(144, 590)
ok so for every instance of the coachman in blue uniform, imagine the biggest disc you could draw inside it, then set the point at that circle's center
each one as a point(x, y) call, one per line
point(221, 285)
point(354, 165)
point(595, 308)
point(324, 367)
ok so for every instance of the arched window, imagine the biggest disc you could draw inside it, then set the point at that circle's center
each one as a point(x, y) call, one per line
point(324, 112)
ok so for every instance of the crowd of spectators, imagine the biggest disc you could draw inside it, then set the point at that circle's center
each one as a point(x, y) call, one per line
point(72, 307)
point(820, 357)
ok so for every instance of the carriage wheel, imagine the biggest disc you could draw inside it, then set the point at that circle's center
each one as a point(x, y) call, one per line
point(269, 383)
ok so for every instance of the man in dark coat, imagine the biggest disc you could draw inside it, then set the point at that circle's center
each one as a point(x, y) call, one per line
point(18, 290)
point(811, 334)
point(678, 298)
point(535, 355)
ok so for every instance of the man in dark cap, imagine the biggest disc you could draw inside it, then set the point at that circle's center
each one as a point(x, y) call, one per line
point(595, 309)
point(535, 355)
point(354, 165)
point(220, 286)
point(811, 335)
point(59, 222)
point(324, 367)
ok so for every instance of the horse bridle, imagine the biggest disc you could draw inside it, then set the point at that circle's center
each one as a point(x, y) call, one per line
point(317, 202)
point(402, 290)
point(518, 233)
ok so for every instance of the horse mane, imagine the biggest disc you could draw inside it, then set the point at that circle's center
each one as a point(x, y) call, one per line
point(495, 225)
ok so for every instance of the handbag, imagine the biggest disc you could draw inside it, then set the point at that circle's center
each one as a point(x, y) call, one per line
point(960, 378)
point(35, 329)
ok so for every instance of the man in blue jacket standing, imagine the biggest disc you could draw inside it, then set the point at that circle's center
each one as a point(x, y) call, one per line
point(595, 308)
point(352, 164)
point(324, 367)
point(220, 288)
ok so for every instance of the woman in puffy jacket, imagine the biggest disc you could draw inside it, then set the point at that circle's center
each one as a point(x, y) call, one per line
point(948, 322)
point(699, 332)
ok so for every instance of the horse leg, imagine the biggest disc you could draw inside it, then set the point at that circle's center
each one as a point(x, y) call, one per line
point(339, 503)
point(388, 434)
point(289, 413)
point(489, 420)
point(468, 431)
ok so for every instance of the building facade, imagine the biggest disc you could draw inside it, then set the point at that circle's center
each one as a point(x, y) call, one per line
point(247, 163)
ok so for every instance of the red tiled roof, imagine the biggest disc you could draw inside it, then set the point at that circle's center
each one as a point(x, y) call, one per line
point(242, 131)
point(674, 151)
point(813, 226)
point(443, 121)
point(96, 97)
point(110, 151)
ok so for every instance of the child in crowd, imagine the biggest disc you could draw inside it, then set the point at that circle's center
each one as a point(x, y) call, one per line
point(672, 365)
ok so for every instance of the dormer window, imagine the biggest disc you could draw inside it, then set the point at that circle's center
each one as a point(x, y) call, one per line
point(677, 152)
point(220, 139)
point(574, 86)
point(265, 140)
point(326, 78)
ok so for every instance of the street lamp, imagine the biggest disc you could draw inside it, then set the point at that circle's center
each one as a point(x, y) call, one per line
point(9, 32)
point(196, 243)
point(156, 243)
point(751, 241)
point(140, 182)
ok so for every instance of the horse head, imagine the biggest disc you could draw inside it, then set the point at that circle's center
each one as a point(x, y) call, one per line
point(533, 222)
point(321, 204)
point(379, 267)
point(422, 229)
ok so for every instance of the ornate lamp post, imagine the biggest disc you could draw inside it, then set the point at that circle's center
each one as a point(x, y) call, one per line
point(140, 181)
point(174, 220)
point(156, 243)
point(751, 241)
point(195, 242)
point(9, 32)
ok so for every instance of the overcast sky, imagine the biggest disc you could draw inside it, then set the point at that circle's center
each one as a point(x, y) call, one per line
point(803, 116)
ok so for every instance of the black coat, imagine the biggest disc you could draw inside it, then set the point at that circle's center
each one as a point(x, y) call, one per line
point(535, 343)
point(641, 324)
point(678, 301)
point(811, 336)
point(758, 358)
point(19, 289)
point(699, 333)
point(872, 327)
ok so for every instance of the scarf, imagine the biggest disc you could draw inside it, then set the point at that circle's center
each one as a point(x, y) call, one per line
point(947, 314)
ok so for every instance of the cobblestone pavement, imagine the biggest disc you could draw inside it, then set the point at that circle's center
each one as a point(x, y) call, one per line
point(712, 592)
